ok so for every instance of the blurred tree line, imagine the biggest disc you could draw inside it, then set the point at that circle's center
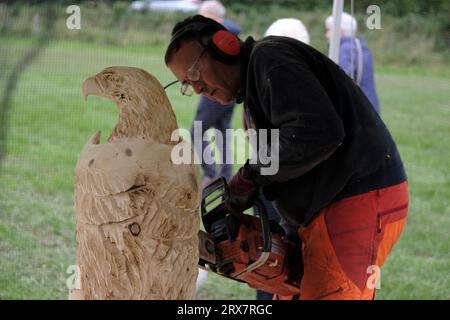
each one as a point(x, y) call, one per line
point(396, 8)
point(413, 31)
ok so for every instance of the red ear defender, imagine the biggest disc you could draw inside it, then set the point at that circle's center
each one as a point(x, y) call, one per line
point(227, 43)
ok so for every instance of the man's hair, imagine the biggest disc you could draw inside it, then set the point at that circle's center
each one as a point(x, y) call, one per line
point(201, 27)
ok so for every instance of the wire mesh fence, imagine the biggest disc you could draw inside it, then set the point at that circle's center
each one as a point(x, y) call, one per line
point(47, 50)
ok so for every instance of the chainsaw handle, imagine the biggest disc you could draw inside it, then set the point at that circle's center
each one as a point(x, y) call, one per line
point(217, 191)
point(222, 195)
point(267, 240)
point(265, 226)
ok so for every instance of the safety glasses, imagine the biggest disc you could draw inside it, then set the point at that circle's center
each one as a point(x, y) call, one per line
point(192, 75)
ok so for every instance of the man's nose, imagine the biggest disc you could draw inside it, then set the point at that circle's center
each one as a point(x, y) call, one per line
point(198, 87)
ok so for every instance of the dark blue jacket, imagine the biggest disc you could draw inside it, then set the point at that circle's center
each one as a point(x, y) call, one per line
point(231, 26)
point(362, 73)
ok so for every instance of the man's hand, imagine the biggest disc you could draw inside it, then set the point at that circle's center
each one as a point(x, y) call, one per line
point(243, 190)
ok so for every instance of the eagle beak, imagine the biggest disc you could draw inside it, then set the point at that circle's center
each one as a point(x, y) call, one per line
point(91, 87)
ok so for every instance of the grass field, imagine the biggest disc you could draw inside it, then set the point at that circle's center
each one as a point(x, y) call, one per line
point(50, 123)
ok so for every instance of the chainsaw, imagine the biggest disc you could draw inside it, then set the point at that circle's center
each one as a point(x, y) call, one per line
point(246, 248)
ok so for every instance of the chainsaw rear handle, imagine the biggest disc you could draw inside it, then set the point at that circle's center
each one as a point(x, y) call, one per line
point(224, 207)
point(267, 240)
point(265, 226)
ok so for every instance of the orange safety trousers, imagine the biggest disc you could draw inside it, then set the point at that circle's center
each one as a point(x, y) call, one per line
point(346, 243)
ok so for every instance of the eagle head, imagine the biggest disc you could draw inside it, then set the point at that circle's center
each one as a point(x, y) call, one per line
point(145, 110)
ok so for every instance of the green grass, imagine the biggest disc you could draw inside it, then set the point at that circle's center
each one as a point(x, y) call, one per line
point(50, 123)
point(417, 110)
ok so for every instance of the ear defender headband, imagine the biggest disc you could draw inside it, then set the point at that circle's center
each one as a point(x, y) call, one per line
point(224, 46)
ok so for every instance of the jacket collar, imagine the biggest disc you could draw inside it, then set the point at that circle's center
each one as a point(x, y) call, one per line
point(246, 52)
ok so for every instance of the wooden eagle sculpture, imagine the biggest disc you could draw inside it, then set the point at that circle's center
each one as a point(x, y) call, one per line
point(136, 211)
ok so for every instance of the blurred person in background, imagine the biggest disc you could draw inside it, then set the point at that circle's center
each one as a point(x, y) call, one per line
point(289, 27)
point(212, 114)
point(355, 57)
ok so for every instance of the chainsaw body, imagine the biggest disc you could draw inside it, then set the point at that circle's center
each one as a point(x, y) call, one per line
point(245, 248)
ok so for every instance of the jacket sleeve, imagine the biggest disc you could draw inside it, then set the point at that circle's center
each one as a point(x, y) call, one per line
point(310, 130)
